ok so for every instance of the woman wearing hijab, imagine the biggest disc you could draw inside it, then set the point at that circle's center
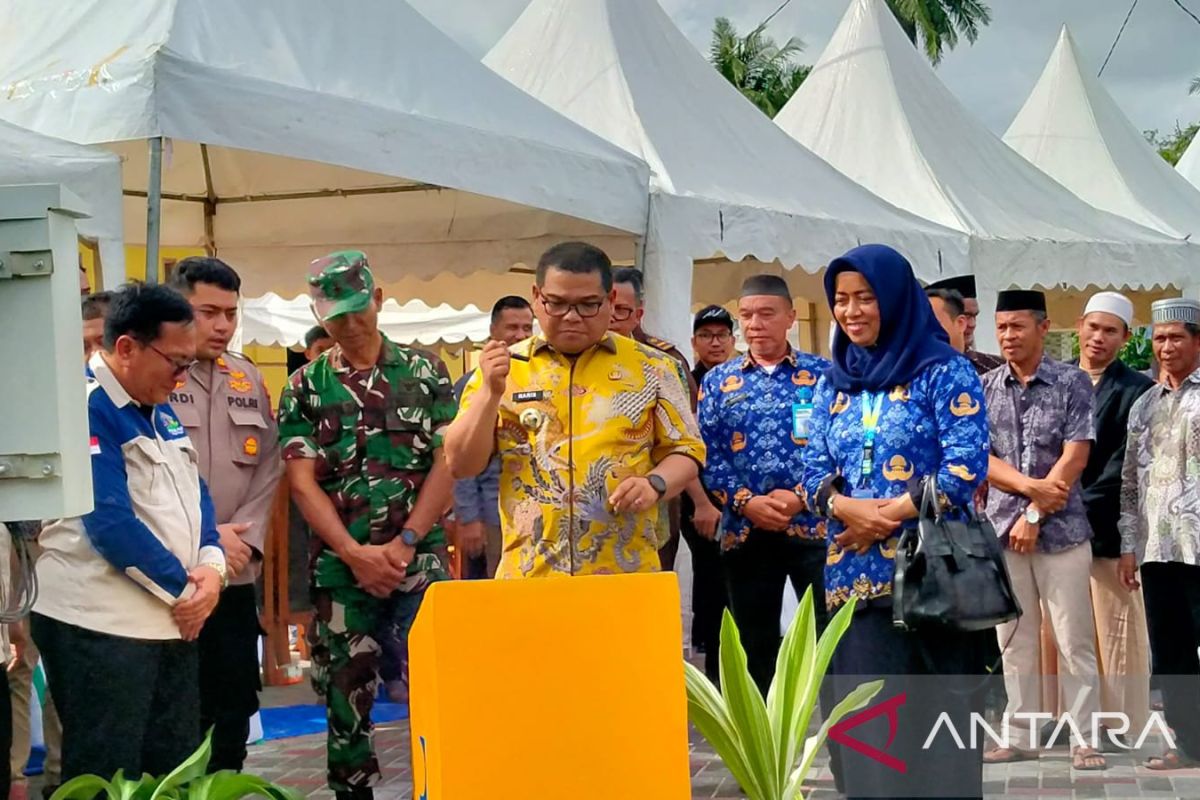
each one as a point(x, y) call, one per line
point(898, 405)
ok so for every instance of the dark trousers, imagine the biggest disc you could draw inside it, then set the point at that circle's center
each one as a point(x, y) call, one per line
point(6, 734)
point(1172, 593)
point(755, 574)
point(128, 704)
point(229, 676)
point(709, 597)
point(932, 673)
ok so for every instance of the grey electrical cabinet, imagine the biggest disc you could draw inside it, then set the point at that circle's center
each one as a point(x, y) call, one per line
point(45, 470)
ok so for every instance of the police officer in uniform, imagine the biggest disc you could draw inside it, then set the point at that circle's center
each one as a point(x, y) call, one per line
point(222, 402)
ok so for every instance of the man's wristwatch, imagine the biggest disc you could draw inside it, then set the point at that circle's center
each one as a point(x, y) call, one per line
point(658, 483)
point(220, 570)
point(1033, 516)
point(409, 537)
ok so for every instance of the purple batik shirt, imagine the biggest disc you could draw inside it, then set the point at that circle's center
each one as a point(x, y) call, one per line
point(1029, 427)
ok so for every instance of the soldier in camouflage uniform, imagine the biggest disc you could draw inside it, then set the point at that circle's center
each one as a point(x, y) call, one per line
point(627, 313)
point(361, 432)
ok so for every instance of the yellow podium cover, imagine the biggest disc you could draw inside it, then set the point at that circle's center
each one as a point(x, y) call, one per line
point(549, 688)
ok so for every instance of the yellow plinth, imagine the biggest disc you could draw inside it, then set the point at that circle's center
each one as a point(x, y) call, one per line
point(553, 688)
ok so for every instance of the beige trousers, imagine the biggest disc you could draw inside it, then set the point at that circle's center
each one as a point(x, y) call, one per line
point(1061, 582)
point(1122, 645)
point(20, 687)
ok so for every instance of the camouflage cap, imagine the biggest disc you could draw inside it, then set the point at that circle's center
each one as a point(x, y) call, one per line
point(340, 283)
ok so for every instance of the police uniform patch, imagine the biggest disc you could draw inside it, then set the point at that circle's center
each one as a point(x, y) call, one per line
point(243, 386)
point(250, 446)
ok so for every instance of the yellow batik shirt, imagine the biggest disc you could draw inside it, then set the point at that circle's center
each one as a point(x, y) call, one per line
point(568, 432)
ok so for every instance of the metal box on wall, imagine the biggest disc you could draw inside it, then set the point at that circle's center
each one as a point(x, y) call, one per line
point(45, 470)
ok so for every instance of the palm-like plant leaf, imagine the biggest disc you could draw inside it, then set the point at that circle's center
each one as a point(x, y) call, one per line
point(761, 742)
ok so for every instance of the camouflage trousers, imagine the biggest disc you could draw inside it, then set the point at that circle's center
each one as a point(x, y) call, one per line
point(357, 640)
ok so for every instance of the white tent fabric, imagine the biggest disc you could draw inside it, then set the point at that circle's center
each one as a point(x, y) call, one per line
point(1073, 130)
point(274, 320)
point(297, 126)
point(725, 181)
point(1189, 163)
point(91, 174)
point(875, 109)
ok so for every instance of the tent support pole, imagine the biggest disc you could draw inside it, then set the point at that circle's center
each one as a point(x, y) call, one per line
point(153, 209)
point(210, 204)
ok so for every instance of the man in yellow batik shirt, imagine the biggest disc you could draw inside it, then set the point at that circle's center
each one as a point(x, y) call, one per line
point(593, 430)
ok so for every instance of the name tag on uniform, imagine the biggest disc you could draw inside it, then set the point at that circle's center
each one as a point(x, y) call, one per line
point(530, 397)
point(801, 416)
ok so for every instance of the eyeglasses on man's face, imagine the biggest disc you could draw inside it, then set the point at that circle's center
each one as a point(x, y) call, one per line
point(719, 337)
point(560, 308)
point(622, 313)
point(178, 366)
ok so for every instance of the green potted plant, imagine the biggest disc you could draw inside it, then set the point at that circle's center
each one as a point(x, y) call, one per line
point(763, 743)
point(188, 781)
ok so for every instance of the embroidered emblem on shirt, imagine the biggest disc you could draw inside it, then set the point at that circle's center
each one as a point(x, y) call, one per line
point(964, 406)
point(250, 446)
point(840, 404)
point(960, 471)
point(899, 394)
point(95, 446)
point(738, 443)
point(732, 384)
point(897, 469)
point(804, 378)
point(532, 419)
point(243, 386)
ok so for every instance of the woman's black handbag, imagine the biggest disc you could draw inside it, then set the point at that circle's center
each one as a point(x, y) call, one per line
point(950, 573)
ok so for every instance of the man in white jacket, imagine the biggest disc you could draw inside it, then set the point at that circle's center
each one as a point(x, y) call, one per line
point(125, 589)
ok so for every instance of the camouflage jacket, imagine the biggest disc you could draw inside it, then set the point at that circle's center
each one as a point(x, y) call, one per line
point(685, 369)
point(373, 442)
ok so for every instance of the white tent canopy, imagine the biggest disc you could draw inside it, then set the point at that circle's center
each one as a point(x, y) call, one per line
point(725, 181)
point(297, 126)
point(1189, 163)
point(875, 109)
point(1073, 130)
point(273, 320)
point(92, 175)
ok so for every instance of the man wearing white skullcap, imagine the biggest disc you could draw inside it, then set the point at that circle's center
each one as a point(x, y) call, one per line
point(1123, 654)
point(1160, 521)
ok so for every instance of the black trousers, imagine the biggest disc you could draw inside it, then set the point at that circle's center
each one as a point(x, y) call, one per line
point(926, 675)
point(709, 596)
point(755, 574)
point(6, 734)
point(229, 676)
point(1172, 592)
point(129, 704)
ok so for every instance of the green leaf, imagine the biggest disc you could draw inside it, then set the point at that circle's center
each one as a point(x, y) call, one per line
point(707, 711)
point(229, 785)
point(140, 789)
point(192, 768)
point(84, 787)
point(785, 700)
point(748, 710)
point(855, 700)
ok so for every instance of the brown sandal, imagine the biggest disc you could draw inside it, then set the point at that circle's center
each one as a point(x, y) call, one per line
point(1008, 755)
point(1085, 759)
point(1172, 759)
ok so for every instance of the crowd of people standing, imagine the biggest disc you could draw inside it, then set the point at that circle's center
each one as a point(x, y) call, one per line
point(592, 447)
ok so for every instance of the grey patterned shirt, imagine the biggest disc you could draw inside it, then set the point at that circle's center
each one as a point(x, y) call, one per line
point(1160, 480)
point(1030, 425)
point(477, 499)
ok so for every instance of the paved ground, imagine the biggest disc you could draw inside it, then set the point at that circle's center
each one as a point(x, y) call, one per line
point(299, 763)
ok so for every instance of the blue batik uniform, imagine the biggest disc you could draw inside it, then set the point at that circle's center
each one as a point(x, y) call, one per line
point(755, 426)
point(934, 425)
